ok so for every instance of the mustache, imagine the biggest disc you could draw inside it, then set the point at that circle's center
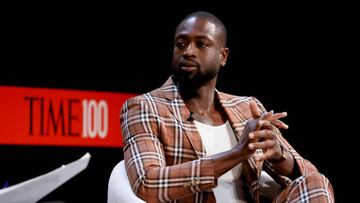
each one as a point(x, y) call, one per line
point(188, 63)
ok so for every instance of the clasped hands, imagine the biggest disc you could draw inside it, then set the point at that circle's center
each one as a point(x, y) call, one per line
point(260, 133)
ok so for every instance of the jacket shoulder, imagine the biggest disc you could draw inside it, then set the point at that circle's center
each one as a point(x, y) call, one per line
point(236, 99)
point(145, 97)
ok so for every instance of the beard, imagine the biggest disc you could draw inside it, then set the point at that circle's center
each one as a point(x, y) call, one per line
point(195, 77)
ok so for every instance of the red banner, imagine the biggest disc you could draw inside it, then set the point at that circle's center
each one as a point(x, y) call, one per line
point(40, 116)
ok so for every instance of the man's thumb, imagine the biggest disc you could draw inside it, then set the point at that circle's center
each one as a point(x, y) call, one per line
point(255, 111)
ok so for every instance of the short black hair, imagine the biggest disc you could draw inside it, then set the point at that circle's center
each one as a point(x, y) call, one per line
point(211, 18)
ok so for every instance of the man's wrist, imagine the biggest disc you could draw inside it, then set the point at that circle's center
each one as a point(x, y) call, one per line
point(283, 156)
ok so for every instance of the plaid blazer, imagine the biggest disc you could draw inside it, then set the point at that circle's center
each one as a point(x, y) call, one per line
point(164, 155)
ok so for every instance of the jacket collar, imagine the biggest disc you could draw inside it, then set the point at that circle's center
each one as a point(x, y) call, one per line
point(171, 93)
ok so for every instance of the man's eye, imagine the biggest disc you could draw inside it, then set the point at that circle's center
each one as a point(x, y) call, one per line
point(180, 44)
point(201, 44)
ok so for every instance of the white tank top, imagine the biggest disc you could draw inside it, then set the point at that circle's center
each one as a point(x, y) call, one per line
point(217, 139)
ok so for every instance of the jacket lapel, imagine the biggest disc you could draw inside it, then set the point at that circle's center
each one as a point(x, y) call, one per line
point(182, 114)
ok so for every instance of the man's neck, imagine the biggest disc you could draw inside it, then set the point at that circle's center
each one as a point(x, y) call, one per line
point(201, 101)
point(201, 96)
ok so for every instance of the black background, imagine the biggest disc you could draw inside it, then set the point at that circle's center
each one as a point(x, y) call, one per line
point(292, 57)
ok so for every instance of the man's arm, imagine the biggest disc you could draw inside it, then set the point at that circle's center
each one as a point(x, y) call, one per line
point(151, 178)
point(294, 165)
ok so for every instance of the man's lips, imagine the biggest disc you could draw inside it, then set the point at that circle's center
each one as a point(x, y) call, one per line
point(188, 68)
point(184, 65)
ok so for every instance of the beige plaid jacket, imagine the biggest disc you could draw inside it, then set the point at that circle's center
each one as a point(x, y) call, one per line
point(164, 155)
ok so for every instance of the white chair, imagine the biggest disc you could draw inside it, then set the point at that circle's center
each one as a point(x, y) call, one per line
point(119, 188)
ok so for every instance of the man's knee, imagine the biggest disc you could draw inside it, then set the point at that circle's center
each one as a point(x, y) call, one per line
point(316, 177)
point(312, 187)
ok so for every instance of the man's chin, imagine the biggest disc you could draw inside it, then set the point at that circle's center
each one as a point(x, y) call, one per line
point(185, 77)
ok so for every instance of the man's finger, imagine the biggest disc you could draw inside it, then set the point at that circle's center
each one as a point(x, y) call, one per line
point(277, 116)
point(255, 111)
point(279, 124)
point(261, 123)
point(264, 145)
point(266, 134)
point(264, 157)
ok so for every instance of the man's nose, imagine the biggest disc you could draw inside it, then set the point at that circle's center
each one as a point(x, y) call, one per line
point(190, 50)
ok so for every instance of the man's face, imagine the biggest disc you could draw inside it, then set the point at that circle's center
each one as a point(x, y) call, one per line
point(198, 51)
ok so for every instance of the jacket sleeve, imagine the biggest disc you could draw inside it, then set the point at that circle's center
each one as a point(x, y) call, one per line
point(304, 166)
point(150, 176)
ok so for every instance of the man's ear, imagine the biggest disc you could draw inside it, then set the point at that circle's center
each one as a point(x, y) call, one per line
point(223, 55)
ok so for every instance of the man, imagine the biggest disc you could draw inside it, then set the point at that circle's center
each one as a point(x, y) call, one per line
point(189, 142)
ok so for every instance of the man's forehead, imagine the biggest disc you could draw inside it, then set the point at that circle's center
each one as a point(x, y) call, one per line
point(196, 25)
